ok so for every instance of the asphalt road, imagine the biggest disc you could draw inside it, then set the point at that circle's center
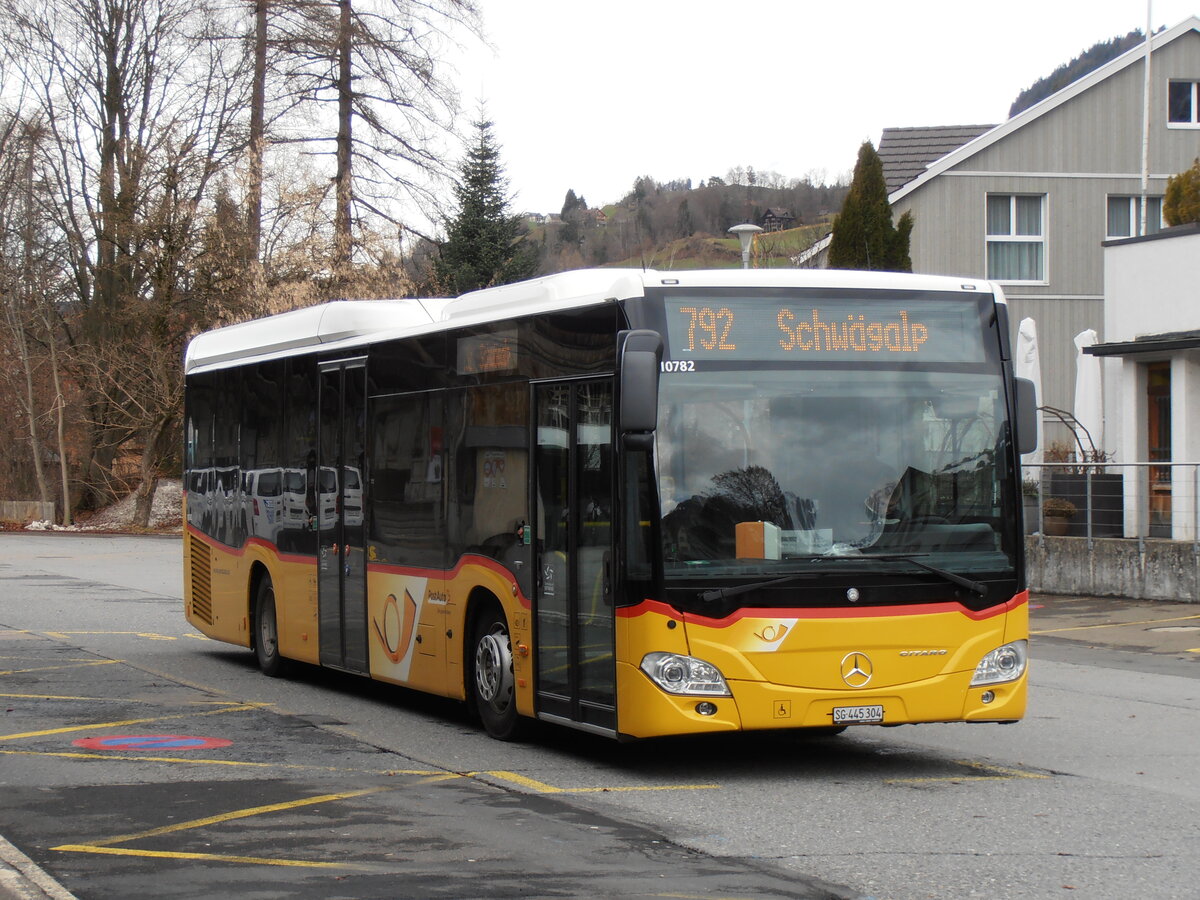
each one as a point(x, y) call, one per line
point(138, 759)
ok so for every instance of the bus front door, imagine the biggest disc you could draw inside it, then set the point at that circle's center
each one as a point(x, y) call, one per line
point(573, 478)
point(341, 575)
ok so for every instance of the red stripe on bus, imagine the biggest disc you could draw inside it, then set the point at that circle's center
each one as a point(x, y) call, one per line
point(443, 574)
point(254, 541)
point(485, 562)
point(648, 606)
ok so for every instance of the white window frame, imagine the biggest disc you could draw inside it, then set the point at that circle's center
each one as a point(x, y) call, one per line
point(1194, 122)
point(1134, 204)
point(1013, 238)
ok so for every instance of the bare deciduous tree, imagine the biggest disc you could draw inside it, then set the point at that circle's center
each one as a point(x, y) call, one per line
point(376, 63)
point(30, 280)
point(141, 107)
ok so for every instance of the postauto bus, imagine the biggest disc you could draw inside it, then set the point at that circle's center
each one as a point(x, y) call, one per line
point(635, 503)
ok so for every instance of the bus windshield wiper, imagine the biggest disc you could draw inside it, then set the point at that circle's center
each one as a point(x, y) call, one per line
point(725, 593)
point(975, 587)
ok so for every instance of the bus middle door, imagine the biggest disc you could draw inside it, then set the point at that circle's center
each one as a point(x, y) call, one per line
point(341, 564)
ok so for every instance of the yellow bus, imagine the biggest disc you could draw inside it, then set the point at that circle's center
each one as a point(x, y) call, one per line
point(631, 502)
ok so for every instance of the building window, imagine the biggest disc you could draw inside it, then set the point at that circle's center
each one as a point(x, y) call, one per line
point(1183, 103)
point(1016, 237)
point(1125, 216)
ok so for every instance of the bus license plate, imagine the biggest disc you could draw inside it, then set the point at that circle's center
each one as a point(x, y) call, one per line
point(857, 715)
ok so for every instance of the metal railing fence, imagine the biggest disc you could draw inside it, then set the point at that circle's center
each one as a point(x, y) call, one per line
point(1109, 499)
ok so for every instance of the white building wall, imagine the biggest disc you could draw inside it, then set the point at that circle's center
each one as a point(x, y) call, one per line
point(1152, 287)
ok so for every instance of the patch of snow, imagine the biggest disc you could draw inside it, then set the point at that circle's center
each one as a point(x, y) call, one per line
point(166, 513)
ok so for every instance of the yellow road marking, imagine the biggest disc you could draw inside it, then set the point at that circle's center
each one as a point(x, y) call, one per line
point(1003, 774)
point(542, 788)
point(118, 757)
point(236, 814)
point(1115, 625)
point(108, 845)
point(152, 635)
point(115, 700)
point(213, 857)
point(240, 707)
point(74, 665)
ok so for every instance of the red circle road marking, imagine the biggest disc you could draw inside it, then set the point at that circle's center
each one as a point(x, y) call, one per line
point(150, 742)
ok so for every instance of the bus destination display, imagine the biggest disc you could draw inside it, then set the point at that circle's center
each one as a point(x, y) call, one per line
point(762, 328)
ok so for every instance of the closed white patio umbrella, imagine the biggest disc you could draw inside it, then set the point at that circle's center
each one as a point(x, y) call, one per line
point(1089, 396)
point(1027, 363)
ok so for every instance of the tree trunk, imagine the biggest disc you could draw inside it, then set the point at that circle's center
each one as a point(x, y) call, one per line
point(254, 188)
point(60, 405)
point(342, 243)
point(29, 401)
point(25, 291)
point(144, 493)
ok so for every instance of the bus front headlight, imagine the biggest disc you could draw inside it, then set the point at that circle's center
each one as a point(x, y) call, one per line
point(1003, 664)
point(678, 674)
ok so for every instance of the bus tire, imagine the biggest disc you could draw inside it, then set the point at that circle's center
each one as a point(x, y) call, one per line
point(266, 630)
point(493, 685)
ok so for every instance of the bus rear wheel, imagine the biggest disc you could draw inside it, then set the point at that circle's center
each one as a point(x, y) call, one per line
point(493, 687)
point(266, 630)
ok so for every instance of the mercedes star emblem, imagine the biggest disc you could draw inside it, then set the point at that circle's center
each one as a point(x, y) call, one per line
point(857, 669)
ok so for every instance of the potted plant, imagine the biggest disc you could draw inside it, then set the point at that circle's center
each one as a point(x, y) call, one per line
point(1055, 513)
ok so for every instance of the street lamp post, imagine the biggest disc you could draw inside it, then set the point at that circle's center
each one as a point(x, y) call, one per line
point(745, 233)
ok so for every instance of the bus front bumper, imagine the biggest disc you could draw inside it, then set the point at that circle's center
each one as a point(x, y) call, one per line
point(647, 711)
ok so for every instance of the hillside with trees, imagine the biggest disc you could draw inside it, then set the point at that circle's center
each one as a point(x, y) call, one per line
point(657, 215)
point(1086, 62)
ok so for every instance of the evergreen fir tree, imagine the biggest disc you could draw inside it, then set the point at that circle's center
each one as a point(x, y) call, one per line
point(485, 244)
point(574, 212)
point(863, 234)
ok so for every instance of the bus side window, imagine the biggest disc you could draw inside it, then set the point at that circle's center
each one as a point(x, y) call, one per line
point(408, 524)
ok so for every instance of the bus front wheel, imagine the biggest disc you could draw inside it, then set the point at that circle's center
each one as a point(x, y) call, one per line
point(493, 682)
point(266, 630)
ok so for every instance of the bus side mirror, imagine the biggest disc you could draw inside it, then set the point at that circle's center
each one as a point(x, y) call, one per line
point(640, 360)
point(1027, 406)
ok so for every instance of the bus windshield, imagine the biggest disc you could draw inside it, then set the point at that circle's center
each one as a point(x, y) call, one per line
point(780, 464)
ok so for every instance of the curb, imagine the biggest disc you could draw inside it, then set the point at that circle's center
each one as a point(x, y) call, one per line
point(23, 879)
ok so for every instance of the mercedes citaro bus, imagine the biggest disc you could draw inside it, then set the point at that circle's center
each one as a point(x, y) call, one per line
point(635, 503)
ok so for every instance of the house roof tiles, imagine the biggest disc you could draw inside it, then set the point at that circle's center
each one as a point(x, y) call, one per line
point(906, 152)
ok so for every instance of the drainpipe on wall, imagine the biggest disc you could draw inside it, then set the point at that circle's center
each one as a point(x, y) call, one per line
point(1146, 122)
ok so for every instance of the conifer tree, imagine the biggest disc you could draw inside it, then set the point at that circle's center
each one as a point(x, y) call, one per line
point(863, 234)
point(485, 244)
point(1181, 204)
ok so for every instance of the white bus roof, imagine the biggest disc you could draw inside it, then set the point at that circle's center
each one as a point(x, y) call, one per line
point(346, 324)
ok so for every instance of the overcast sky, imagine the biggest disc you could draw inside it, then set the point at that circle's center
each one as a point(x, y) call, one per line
point(591, 95)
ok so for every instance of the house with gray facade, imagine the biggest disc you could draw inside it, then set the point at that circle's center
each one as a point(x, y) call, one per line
point(1030, 202)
